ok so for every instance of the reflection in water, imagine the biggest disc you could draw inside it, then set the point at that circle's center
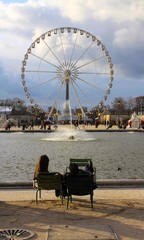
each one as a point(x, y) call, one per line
point(110, 152)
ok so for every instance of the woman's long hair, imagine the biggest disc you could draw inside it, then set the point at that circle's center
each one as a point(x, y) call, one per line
point(42, 165)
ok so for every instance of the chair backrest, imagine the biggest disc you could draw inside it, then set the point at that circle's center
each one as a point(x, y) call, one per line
point(49, 181)
point(79, 184)
point(80, 161)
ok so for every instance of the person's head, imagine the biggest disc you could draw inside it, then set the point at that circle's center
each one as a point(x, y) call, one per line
point(73, 167)
point(43, 163)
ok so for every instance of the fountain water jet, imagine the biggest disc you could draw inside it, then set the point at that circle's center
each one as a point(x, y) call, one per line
point(68, 134)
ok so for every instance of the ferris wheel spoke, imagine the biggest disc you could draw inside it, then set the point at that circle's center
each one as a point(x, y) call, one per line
point(53, 54)
point(92, 85)
point(73, 49)
point(83, 53)
point(42, 59)
point(47, 96)
point(85, 95)
point(40, 71)
point(90, 62)
point(77, 98)
point(39, 84)
point(94, 73)
point(55, 100)
point(62, 47)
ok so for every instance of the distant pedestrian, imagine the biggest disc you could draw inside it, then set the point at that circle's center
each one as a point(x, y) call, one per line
point(31, 124)
point(76, 125)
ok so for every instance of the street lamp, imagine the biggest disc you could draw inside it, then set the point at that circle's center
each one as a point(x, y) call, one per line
point(119, 118)
point(18, 106)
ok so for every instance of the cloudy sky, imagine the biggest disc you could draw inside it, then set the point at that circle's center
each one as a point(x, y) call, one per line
point(119, 25)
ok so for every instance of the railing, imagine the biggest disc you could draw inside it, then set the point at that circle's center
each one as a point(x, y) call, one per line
point(104, 183)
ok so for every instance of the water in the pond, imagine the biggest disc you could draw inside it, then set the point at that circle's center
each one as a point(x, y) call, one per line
point(118, 155)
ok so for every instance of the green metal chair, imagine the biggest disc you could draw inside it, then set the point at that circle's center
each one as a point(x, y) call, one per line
point(79, 185)
point(49, 181)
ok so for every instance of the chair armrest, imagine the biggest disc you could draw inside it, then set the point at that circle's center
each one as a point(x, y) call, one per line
point(35, 183)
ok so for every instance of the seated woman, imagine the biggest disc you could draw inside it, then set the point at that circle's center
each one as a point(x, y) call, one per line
point(41, 166)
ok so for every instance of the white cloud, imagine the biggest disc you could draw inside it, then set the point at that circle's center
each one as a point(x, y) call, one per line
point(82, 10)
point(131, 37)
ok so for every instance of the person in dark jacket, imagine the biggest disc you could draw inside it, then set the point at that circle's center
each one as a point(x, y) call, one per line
point(74, 169)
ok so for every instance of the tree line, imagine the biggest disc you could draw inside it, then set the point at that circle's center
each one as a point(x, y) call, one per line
point(118, 106)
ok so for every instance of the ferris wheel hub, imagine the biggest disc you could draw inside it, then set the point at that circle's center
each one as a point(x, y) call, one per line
point(67, 74)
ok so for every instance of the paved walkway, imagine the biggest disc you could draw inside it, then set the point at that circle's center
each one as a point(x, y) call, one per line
point(101, 193)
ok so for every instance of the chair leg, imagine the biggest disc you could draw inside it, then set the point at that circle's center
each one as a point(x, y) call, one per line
point(61, 196)
point(38, 190)
point(37, 196)
point(91, 199)
point(68, 200)
point(62, 199)
point(39, 193)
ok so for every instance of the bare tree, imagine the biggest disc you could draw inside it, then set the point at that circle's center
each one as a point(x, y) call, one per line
point(119, 106)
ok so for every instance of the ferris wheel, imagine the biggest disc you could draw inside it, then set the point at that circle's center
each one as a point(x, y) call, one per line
point(67, 68)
